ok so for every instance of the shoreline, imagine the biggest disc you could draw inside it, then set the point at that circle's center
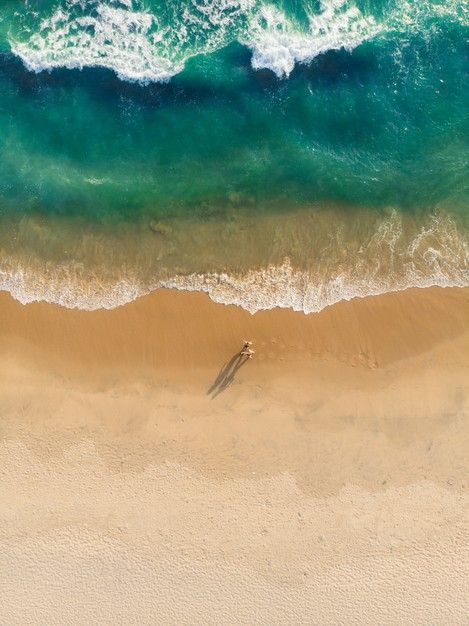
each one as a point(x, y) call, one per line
point(396, 364)
point(327, 480)
point(305, 259)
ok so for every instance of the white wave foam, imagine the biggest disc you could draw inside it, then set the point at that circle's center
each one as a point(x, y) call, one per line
point(109, 35)
point(438, 255)
point(283, 287)
point(123, 36)
point(271, 287)
point(277, 44)
point(423, 16)
point(69, 288)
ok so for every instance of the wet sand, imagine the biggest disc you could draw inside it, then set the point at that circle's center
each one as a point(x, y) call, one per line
point(148, 476)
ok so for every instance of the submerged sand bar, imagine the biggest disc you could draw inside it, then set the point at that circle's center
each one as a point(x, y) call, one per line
point(325, 484)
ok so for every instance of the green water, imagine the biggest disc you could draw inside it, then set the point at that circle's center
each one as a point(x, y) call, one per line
point(127, 111)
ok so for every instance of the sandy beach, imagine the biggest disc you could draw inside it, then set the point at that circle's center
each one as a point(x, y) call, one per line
point(148, 476)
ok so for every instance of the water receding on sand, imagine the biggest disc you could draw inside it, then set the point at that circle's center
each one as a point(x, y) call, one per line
point(305, 260)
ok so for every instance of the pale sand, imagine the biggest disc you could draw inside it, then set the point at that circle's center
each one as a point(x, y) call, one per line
point(325, 485)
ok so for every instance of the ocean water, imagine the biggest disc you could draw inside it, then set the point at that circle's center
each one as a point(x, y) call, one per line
point(286, 153)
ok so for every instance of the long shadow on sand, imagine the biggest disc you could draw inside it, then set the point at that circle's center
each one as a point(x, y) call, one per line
point(227, 374)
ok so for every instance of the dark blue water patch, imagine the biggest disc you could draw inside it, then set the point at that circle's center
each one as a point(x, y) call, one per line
point(339, 66)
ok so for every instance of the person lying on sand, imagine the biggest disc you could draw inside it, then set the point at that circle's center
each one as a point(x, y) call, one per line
point(247, 350)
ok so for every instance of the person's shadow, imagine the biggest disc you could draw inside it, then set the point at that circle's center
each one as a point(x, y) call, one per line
point(227, 374)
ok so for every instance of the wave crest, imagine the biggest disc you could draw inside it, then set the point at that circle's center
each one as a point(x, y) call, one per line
point(107, 35)
point(138, 45)
point(437, 256)
point(124, 36)
point(388, 259)
point(277, 45)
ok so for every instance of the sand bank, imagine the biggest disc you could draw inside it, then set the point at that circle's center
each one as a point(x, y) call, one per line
point(323, 483)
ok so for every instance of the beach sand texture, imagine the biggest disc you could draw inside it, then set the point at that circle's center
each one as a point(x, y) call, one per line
point(322, 483)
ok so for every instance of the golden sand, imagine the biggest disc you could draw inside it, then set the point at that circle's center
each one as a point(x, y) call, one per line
point(321, 482)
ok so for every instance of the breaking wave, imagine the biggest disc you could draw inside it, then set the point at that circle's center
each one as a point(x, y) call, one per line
point(437, 254)
point(109, 35)
point(277, 45)
point(145, 45)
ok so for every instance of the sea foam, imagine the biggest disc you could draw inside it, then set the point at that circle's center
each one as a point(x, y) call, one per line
point(109, 35)
point(138, 45)
point(126, 37)
point(262, 289)
point(277, 44)
point(436, 255)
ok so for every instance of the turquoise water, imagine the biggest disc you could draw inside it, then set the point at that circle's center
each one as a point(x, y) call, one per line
point(126, 111)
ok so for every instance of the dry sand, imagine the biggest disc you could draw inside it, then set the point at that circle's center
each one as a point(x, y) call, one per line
point(324, 484)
